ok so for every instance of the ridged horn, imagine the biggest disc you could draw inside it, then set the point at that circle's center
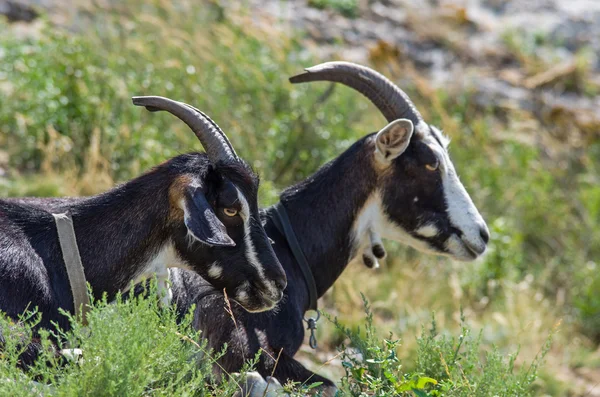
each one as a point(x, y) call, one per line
point(211, 136)
point(389, 99)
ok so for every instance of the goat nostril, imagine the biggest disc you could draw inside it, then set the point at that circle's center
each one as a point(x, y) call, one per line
point(281, 284)
point(485, 235)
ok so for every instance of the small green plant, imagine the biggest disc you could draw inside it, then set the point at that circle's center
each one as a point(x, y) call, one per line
point(446, 365)
point(372, 365)
point(463, 369)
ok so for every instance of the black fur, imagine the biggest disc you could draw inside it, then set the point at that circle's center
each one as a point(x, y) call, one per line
point(119, 231)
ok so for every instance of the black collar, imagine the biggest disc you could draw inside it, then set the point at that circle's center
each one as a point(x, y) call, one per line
point(282, 223)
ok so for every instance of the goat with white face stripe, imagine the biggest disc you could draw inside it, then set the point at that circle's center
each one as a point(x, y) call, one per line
point(196, 211)
point(214, 209)
point(418, 198)
point(232, 240)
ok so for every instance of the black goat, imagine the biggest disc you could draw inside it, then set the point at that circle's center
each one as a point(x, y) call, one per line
point(398, 183)
point(195, 211)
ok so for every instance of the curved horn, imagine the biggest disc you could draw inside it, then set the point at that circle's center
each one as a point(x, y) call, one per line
point(211, 136)
point(389, 99)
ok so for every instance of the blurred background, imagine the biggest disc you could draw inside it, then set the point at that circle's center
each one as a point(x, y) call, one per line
point(514, 84)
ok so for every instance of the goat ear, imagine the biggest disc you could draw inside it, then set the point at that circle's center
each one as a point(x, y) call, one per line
point(202, 222)
point(393, 139)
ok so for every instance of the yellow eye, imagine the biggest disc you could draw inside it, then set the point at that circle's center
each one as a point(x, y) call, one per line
point(432, 167)
point(230, 211)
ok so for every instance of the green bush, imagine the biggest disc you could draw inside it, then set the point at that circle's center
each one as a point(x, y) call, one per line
point(132, 347)
point(446, 365)
point(135, 347)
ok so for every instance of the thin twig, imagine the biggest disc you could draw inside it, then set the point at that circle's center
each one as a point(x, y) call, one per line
point(321, 367)
point(272, 372)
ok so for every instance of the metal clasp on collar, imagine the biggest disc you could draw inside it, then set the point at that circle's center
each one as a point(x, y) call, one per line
point(311, 323)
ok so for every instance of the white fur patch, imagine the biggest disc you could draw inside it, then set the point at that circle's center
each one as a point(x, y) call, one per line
point(257, 386)
point(158, 265)
point(428, 230)
point(251, 255)
point(372, 217)
point(241, 293)
point(215, 271)
point(457, 247)
point(461, 211)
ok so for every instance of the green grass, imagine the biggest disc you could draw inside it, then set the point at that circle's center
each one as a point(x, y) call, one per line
point(66, 90)
point(348, 8)
point(68, 126)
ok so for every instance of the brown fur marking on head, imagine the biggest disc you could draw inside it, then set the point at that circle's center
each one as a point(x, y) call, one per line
point(176, 195)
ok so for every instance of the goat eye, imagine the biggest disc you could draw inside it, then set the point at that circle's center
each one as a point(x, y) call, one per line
point(230, 211)
point(433, 167)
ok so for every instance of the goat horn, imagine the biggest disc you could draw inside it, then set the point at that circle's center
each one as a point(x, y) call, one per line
point(389, 99)
point(211, 136)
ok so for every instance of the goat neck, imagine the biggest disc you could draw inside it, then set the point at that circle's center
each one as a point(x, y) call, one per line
point(120, 232)
point(323, 209)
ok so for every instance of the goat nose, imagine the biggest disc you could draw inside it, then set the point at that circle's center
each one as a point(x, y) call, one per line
point(281, 283)
point(279, 296)
point(485, 234)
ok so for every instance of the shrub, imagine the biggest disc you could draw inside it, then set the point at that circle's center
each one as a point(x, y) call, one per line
point(132, 347)
point(446, 365)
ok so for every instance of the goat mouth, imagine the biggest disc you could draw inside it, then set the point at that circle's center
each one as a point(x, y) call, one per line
point(475, 250)
point(459, 249)
point(260, 303)
point(264, 306)
point(270, 301)
point(473, 254)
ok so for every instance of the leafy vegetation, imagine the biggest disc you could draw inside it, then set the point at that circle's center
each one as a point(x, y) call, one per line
point(68, 127)
point(348, 8)
point(132, 347)
point(446, 365)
